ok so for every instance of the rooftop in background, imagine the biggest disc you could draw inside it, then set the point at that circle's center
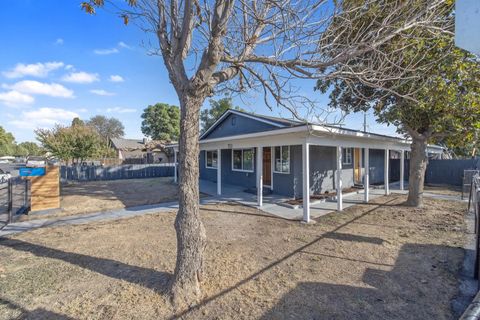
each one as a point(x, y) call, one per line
point(139, 144)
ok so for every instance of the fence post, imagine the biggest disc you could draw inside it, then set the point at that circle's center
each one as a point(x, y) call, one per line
point(10, 201)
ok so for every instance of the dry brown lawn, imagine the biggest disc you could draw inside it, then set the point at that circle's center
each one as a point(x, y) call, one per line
point(373, 261)
point(95, 196)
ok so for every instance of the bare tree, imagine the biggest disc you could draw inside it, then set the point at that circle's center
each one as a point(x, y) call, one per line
point(243, 46)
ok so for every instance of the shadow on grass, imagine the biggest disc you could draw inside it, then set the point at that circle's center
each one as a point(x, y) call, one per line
point(155, 280)
point(38, 313)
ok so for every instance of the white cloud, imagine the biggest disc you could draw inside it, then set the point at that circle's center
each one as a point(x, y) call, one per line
point(35, 69)
point(82, 110)
point(81, 77)
point(69, 67)
point(104, 52)
point(44, 118)
point(36, 87)
point(101, 92)
point(116, 78)
point(59, 41)
point(13, 98)
point(122, 44)
point(120, 110)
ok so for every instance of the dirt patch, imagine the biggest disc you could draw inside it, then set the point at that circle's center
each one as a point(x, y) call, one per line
point(322, 196)
point(444, 190)
point(95, 196)
point(373, 261)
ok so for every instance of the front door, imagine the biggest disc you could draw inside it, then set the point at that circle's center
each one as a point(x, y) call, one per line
point(357, 159)
point(267, 167)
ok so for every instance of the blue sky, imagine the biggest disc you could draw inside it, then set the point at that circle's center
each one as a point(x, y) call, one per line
point(57, 62)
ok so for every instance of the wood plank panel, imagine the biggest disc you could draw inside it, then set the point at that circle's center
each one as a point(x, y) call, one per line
point(45, 190)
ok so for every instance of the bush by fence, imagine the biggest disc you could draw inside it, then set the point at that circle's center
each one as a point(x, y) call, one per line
point(130, 171)
point(449, 172)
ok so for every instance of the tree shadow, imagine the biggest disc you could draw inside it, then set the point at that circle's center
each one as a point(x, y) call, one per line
point(157, 281)
point(277, 262)
point(39, 313)
point(400, 293)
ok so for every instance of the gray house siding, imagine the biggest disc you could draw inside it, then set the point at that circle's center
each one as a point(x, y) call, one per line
point(229, 176)
point(288, 184)
point(322, 171)
point(235, 124)
point(376, 159)
point(239, 178)
point(206, 173)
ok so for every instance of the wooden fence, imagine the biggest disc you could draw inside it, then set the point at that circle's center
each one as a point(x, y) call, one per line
point(130, 171)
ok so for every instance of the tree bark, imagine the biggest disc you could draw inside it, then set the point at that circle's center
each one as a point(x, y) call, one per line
point(191, 237)
point(418, 165)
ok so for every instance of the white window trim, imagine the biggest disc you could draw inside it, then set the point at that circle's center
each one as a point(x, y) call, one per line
point(253, 160)
point(289, 160)
point(206, 162)
point(344, 158)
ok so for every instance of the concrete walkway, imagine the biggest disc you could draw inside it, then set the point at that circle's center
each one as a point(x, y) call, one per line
point(19, 227)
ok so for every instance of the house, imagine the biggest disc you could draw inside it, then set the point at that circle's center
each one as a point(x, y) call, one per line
point(141, 151)
point(295, 159)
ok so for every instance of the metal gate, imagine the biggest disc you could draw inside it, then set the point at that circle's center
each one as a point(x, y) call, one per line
point(14, 199)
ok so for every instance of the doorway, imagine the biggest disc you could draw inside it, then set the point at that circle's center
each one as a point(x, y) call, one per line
point(267, 167)
point(357, 165)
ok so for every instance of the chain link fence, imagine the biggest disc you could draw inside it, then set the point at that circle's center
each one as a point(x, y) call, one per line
point(14, 199)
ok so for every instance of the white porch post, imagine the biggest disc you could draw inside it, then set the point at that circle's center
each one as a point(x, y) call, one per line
point(366, 180)
point(260, 176)
point(402, 169)
point(306, 181)
point(339, 179)
point(386, 172)
point(219, 172)
point(175, 174)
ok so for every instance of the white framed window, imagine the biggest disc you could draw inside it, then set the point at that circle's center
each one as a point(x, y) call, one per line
point(242, 160)
point(347, 155)
point(281, 159)
point(211, 159)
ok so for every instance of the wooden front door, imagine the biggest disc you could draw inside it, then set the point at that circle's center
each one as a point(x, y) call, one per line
point(267, 166)
point(357, 161)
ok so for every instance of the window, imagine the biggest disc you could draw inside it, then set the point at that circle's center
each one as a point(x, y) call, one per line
point(242, 160)
point(347, 155)
point(211, 161)
point(282, 159)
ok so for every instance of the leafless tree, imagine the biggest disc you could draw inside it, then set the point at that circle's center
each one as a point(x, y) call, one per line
point(250, 45)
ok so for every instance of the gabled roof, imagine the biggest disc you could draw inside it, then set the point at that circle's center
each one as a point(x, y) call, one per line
point(274, 121)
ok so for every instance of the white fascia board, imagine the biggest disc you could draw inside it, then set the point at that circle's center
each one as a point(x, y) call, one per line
point(345, 138)
point(276, 132)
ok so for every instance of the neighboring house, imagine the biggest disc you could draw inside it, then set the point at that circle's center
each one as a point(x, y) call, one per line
point(287, 157)
point(139, 151)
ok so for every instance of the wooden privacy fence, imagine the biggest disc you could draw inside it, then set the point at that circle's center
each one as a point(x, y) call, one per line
point(130, 171)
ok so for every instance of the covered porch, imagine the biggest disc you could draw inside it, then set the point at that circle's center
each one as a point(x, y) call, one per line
point(300, 142)
point(272, 204)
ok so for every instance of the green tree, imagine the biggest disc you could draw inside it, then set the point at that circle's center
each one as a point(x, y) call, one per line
point(217, 108)
point(71, 144)
point(29, 149)
point(107, 128)
point(7, 143)
point(161, 122)
point(434, 100)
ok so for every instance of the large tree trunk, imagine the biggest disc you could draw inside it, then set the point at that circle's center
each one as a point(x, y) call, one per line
point(191, 237)
point(418, 165)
